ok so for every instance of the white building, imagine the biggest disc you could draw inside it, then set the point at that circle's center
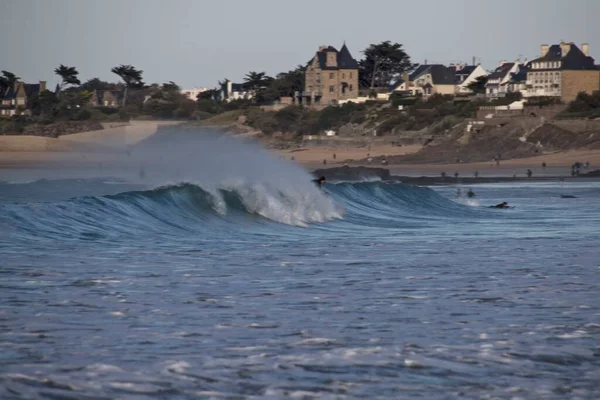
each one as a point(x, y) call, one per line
point(498, 81)
point(465, 75)
point(192, 94)
point(234, 91)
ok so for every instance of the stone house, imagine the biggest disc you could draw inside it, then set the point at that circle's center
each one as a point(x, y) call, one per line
point(562, 70)
point(15, 100)
point(331, 76)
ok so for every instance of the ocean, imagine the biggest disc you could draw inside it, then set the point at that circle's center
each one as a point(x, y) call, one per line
point(215, 270)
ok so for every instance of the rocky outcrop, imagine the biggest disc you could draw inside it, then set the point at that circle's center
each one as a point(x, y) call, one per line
point(347, 173)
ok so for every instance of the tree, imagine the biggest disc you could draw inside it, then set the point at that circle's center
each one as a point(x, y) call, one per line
point(255, 81)
point(382, 63)
point(68, 76)
point(170, 87)
point(478, 85)
point(96, 84)
point(43, 104)
point(131, 76)
point(7, 80)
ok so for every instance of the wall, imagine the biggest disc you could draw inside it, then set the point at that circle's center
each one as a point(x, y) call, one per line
point(350, 77)
point(578, 125)
point(574, 82)
point(329, 78)
point(445, 89)
point(310, 77)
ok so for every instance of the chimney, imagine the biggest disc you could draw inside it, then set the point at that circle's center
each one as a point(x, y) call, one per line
point(544, 50)
point(585, 48)
point(322, 47)
point(42, 86)
point(473, 60)
point(564, 48)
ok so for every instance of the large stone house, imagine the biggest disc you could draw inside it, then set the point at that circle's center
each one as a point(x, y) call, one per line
point(330, 76)
point(15, 100)
point(562, 70)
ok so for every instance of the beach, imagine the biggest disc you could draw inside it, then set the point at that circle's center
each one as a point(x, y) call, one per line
point(97, 149)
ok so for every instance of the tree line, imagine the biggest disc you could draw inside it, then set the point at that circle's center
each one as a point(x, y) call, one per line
point(380, 65)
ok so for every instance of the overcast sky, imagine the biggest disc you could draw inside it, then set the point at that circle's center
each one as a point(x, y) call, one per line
point(197, 42)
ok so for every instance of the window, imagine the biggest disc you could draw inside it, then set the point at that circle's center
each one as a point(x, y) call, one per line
point(343, 76)
point(350, 75)
point(331, 89)
point(350, 87)
point(331, 75)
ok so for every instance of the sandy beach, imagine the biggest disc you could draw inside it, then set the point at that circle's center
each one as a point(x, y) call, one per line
point(97, 148)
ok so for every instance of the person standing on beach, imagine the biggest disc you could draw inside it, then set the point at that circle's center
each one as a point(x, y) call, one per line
point(529, 173)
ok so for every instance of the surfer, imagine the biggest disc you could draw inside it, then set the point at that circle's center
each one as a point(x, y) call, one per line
point(319, 181)
point(470, 193)
point(501, 205)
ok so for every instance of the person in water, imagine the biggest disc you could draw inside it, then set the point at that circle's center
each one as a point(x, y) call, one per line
point(319, 181)
point(470, 193)
point(501, 205)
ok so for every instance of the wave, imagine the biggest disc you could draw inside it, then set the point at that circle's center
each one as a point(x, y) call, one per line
point(175, 209)
point(190, 208)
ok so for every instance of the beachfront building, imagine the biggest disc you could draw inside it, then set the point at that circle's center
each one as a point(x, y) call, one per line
point(192, 94)
point(466, 75)
point(331, 76)
point(562, 70)
point(15, 100)
point(230, 91)
point(427, 80)
point(498, 81)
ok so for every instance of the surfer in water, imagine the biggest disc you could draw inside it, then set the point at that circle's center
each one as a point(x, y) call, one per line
point(470, 194)
point(319, 181)
point(501, 205)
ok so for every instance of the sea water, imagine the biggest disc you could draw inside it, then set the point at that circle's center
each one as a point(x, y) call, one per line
point(249, 286)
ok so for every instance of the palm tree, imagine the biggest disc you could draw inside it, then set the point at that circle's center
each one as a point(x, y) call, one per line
point(131, 76)
point(7, 80)
point(68, 76)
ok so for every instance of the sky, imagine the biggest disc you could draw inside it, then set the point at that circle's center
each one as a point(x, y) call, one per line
point(199, 42)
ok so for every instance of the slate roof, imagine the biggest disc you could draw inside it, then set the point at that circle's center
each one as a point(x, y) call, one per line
point(464, 73)
point(501, 71)
point(238, 87)
point(466, 70)
point(31, 88)
point(344, 58)
point(10, 93)
point(573, 60)
point(440, 75)
point(520, 76)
